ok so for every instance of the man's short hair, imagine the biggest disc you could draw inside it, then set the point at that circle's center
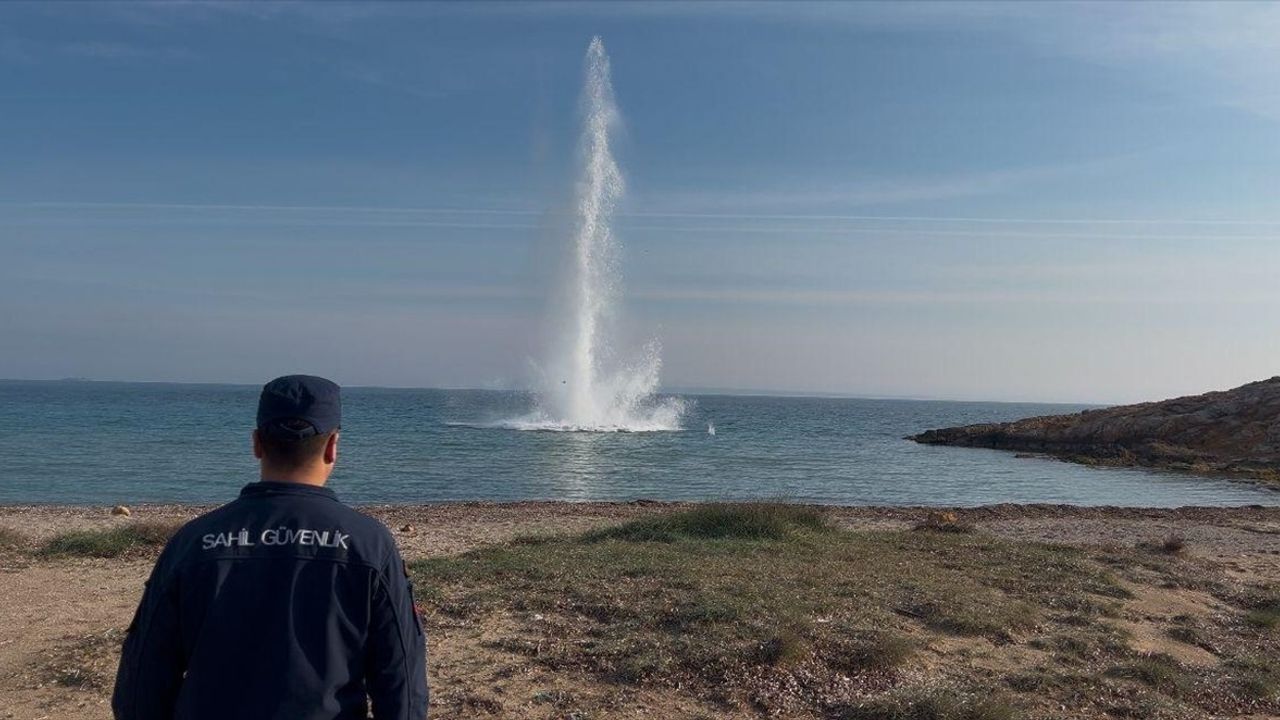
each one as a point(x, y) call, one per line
point(288, 451)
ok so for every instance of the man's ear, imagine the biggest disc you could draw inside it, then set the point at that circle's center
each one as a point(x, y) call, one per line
point(257, 445)
point(331, 449)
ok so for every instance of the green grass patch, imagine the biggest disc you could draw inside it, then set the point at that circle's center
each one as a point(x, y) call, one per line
point(1264, 611)
point(723, 595)
point(955, 616)
point(1189, 635)
point(932, 704)
point(750, 521)
point(1257, 677)
point(861, 650)
point(110, 542)
point(1160, 672)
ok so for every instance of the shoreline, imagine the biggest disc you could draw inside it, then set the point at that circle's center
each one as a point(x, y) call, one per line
point(447, 528)
point(619, 508)
point(1029, 507)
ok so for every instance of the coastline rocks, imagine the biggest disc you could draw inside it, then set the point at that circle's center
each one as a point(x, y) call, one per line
point(1233, 432)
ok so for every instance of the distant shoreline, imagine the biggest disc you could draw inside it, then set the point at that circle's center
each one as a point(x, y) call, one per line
point(698, 392)
point(1226, 433)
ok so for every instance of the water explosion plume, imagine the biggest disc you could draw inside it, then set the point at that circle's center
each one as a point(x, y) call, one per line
point(580, 391)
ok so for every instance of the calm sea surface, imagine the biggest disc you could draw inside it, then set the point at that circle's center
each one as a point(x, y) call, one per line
point(73, 442)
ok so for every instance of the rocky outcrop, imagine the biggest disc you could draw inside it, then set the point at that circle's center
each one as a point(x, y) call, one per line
point(1234, 432)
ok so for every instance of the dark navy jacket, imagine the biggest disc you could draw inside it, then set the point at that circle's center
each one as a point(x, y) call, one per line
point(282, 605)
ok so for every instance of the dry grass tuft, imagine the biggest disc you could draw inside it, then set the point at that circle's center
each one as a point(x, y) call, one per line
point(88, 663)
point(1174, 544)
point(1170, 545)
point(11, 539)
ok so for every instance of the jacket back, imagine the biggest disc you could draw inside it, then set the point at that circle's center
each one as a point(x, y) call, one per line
point(284, 603)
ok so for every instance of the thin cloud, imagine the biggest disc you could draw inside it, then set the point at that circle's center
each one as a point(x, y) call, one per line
point(373, 77)
point(26, 51)
point(941, 298)
point(100, 50)
point(377, 216)
point(890, 191)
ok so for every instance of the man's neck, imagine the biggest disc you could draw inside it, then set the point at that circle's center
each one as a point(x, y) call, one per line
point(297, 478)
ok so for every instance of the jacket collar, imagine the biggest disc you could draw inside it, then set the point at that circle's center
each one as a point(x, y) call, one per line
point(264, 488)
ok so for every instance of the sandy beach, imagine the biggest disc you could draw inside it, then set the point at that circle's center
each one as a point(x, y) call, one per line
point(63, 616)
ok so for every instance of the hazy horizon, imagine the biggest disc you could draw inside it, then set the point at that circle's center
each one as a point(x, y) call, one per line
point(998, 202)
point(665, 390)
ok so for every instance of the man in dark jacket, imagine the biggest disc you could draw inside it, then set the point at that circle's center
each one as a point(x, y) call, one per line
point(284, 604)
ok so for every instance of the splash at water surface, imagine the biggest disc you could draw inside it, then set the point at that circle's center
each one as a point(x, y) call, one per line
point(584, 388)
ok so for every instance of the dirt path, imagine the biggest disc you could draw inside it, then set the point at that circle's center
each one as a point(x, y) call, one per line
point(57, 616)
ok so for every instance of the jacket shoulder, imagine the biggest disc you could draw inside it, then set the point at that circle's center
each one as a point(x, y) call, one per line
point(369, 528)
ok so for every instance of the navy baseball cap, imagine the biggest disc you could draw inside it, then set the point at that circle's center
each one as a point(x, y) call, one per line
point(299, 406)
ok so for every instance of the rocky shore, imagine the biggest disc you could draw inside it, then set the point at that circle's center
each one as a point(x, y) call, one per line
point(1232, 432)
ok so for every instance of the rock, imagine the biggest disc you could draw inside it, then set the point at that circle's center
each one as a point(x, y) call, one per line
point(121, 510)
point(406, 529)
point(1235, 432)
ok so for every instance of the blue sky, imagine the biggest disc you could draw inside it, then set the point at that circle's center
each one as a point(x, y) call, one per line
point(1072, 202)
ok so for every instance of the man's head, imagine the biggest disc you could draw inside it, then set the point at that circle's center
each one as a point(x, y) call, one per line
point(296, 439)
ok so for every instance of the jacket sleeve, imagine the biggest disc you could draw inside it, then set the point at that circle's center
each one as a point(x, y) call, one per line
point(396, 668)
point(151, 664)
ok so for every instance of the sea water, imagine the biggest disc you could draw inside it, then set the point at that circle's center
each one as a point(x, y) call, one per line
point(108, 443)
